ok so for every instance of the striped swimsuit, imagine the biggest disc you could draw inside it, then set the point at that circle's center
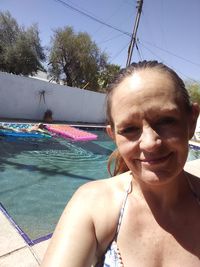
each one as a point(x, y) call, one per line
point(112, 257)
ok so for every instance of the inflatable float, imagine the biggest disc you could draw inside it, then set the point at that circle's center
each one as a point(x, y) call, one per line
point(71, 132)
point(22, 134)
point(21, 130)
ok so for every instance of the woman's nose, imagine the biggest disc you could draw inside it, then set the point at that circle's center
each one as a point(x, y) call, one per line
point(149, 139)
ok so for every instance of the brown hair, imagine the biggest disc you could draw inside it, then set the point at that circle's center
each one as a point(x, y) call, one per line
point(115, 158)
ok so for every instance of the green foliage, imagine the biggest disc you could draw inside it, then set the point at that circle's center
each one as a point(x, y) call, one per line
point(73, 58)
point(20, 49)
point(194, 91)
point(106, 76)
point(76, 60)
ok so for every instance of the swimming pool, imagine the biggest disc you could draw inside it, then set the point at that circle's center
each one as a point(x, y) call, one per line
point(38, 176)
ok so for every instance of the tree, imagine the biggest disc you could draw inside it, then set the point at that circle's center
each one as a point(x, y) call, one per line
point(75, 59)
point(194, 91)
point(106, 76)
point(20, 49)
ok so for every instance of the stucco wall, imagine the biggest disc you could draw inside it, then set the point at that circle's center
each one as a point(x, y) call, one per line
point(198, 125)
point(22, 98)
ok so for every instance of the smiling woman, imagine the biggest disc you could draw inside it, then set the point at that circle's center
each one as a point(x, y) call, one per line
point(151, 135)
point(142, 215)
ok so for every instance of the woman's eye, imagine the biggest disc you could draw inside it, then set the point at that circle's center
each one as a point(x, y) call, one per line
point(166, 121)
point(128, 130)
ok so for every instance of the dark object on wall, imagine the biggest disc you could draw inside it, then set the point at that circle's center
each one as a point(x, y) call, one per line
point(48, 116)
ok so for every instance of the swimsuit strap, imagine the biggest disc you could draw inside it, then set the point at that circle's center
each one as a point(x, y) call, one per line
point(112, 254)
point(122, 209)
point(192, 189)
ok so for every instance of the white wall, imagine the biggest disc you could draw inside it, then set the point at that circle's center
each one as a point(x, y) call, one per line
point(198, 125)
point(20, 98)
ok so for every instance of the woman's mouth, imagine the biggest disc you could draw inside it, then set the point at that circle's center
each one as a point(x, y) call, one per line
point(155, 160)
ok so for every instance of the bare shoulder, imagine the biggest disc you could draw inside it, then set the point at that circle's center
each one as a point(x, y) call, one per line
point(103, 190)
point(101, 200)
point(88, 223)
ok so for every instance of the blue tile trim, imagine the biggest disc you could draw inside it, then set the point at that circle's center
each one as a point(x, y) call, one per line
point(194, 147)
point(20, 231)
point(43, 238)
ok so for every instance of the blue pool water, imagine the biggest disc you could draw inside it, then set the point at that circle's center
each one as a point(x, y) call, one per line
point(38, 176)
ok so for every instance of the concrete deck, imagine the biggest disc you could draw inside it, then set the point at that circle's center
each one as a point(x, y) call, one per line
point(14, 251)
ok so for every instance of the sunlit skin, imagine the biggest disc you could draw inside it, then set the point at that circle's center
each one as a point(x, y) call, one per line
point(151, 126)
point(160, 225)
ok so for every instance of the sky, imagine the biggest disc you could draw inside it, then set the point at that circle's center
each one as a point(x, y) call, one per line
point(168, 29)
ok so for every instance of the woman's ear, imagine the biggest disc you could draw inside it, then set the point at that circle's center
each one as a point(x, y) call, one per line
point(110, 132)
point(193, 119)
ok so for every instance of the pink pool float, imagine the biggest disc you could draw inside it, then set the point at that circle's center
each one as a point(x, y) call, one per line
point(71, 132)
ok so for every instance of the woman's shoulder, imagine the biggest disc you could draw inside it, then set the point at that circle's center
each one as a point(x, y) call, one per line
point(102, 199)
point(104, 188)
point(95, 207)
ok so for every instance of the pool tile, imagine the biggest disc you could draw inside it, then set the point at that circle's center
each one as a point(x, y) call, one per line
point(10, 239)
point(40, 249)
point(19, 258)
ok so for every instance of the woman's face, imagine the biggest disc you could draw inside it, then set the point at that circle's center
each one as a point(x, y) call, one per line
point(151, 126)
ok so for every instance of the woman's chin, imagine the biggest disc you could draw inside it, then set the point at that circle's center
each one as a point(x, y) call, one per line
point(154, 178)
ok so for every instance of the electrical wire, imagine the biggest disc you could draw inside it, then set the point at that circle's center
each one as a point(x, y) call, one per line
point(118, 9)
point(138, 50)
point(123, 32)
point(171, 53)
point(122, 49)
point(167, 63)
point(91, 17)
point(110, 39)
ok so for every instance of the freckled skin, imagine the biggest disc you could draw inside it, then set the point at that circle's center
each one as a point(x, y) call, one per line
point(160, 225)
point(151, 127)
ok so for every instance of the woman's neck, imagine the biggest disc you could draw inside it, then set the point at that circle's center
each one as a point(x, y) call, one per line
point(164, 196)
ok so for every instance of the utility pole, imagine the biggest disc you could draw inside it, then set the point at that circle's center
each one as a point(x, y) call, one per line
point(134, 34)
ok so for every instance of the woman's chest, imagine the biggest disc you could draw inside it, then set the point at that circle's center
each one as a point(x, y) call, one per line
point(145, 243)
point(157, 250)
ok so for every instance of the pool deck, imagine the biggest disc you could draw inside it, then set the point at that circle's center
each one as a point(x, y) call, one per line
point(14, 251)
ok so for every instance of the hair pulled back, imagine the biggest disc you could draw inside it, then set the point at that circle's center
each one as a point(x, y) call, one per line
point(115, 158)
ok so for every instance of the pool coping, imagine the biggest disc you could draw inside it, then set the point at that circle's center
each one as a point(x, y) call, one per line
point(15, 225)
point(13, 246)
point(194, 144)
point(26, 238)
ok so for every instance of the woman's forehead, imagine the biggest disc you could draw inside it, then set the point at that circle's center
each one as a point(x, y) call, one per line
point(145, 89)
point(146, 77)
point(144, 82)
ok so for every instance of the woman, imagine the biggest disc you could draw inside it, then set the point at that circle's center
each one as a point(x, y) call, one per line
point(148, 214)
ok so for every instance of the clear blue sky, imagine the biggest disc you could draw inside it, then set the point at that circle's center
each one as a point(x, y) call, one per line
point(168, 29)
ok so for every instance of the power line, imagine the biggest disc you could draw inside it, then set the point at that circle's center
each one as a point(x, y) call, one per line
point(171, 53)
point(139, 53)
point(91, 17)
point(118, 9)
point(150, 51)
point(161, 59)
point(121, 31)
point(110, 39)
point(117, 54)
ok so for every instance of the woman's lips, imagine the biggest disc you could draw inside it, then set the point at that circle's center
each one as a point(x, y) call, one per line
point(155, 160)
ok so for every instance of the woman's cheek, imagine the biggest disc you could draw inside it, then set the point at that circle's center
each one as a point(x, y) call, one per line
point(126, 147)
